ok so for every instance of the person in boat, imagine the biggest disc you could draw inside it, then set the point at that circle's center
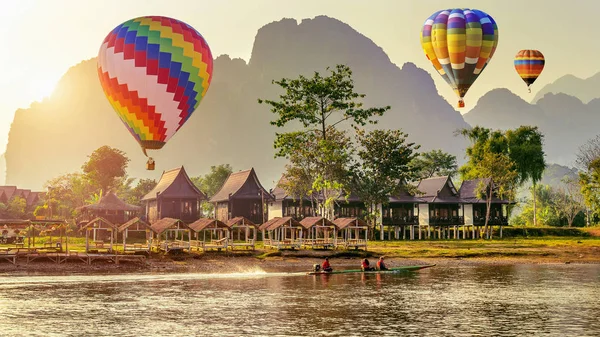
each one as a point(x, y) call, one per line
point(365, 266)
point(381, 265)
point(326, 267)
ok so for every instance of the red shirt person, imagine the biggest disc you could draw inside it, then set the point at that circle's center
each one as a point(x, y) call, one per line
point(365, 266)
point(381, 265)
point(326, 266)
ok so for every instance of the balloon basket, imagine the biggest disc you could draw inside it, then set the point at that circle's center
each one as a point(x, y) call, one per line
point(461, 104)
point(150, 165)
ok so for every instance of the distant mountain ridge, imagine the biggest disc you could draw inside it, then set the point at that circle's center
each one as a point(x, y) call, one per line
point(55, 136)
point(2, 169)
point(567, 123)
point(584, 89)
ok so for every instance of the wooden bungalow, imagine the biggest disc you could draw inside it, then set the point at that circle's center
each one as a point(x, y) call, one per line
point(442, 213)
point(240, 226)
point(241, 195)
point(475, 209)
point(102, 233)
point(171, 235)
point(139, 233)
point(209, 234)
point(284, 205)
point(281, 233)
point(32, 199)
point(350, 207)
point(109, 208)
point(352, 232)
point(175, 196)
point(319, 233)
point(401, 214)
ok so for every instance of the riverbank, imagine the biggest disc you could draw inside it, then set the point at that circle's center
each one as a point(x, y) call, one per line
point(559, 250)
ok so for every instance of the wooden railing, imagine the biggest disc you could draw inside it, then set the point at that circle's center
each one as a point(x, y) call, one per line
point(449, 221)
point(401, 220)
point(494, 221)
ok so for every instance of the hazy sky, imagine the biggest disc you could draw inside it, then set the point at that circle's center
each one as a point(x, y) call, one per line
point(41, 39)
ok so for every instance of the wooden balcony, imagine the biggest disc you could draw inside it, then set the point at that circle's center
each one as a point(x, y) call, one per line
point(400, 220)
point(446, 221)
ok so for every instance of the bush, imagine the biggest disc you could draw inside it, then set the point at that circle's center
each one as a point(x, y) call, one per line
point(512, 232)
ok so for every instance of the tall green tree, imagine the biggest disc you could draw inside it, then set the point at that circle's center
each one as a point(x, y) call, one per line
point(435, 163)
point(105, 167)
point(569, 200)
point(319, 105)
point(211, 183)
point(15, 208)
point(498, 177)
point(66, 193)
point(383, 167)
point(526, 150)
point(134, 195)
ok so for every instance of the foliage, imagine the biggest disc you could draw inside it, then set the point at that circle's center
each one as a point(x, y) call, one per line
point(66, 193)
point(15, 209)
point(498, 177)
point(134, 195)
point(552, 207)
point(383, 166)
point(435, 163)
point(211, 183)
point(319, 154)
point(104, 166)
point(569, 201)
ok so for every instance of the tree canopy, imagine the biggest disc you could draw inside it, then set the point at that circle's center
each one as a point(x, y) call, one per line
point(105, 166)
point(435, 163)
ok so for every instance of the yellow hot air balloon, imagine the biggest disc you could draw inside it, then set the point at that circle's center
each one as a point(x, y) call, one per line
point(459, 43)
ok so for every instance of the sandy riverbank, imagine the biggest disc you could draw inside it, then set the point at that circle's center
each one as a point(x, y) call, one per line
point(294, 261)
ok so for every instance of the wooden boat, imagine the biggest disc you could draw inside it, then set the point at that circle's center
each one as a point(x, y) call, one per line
point(390, 270)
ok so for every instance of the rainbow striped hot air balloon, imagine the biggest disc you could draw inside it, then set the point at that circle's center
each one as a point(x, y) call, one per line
point(459, 43)
point(529, 64)
point(154, 71)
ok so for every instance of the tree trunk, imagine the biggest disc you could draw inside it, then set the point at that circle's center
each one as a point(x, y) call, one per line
point(488, 204)
point(534, 206)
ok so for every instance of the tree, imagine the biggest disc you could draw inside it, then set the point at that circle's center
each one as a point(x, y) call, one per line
point(211, 183)
point(498, 177)
point(144, 186)
point(15, 208)
point(435, 162)
point(319, 104)
point(569, 201)
point(66, 193)
point(525, 145)
point(383, 167)
point(105, 166)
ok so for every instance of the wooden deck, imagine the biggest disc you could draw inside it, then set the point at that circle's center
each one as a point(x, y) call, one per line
point(16, 255)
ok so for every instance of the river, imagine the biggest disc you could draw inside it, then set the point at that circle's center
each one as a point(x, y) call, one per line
point(466, 300)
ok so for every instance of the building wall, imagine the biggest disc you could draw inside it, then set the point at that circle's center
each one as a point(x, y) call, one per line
point(275, 209)
point(423, 214)
point(468, 214)
point(152, 212)
point(222, 211)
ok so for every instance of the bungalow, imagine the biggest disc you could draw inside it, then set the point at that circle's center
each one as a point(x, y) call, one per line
point(443, 207)
point(284, 205)
point(475, 208)
point(241, 195)
point(175, 196)
point(110, 208)
point(402, 214)
point(32, 199)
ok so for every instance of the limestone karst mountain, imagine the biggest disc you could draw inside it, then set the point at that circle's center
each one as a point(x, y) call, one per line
point(55, 136)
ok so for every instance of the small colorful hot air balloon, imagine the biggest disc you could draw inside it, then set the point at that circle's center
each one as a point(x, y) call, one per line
point(459, 43)
point(529, 64)
point(154, 71)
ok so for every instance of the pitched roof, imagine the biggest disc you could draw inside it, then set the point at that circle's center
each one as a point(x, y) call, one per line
point(166, 223)
point(468, 192)
point(100, 221)
point(346, 222)
point(34, 197)
point(278, 222)
point(205, 223)
point(110, 202)
point(279, 192)
point(240, 220)
point(234, 186)
point(8, 191)
point(432, 187)
point(132, 222)
point(175, 183)
point(316, 220)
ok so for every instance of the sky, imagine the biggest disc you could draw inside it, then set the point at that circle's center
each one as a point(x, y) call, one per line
point(42, 39)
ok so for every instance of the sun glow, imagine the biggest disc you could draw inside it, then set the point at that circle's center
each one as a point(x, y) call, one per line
point(41, 88)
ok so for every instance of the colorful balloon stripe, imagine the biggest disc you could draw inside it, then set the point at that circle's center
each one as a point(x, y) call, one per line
point(529, 65)
point(460, 44)
point(154, 71)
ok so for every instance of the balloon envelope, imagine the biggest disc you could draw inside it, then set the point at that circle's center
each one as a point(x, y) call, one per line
point(154, 71)
point(529, 64)
point(459, 43)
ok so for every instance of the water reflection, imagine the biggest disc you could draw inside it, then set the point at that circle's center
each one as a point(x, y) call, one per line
point(442, 301)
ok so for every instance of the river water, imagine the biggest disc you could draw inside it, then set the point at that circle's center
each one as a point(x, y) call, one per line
point(515, 300)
